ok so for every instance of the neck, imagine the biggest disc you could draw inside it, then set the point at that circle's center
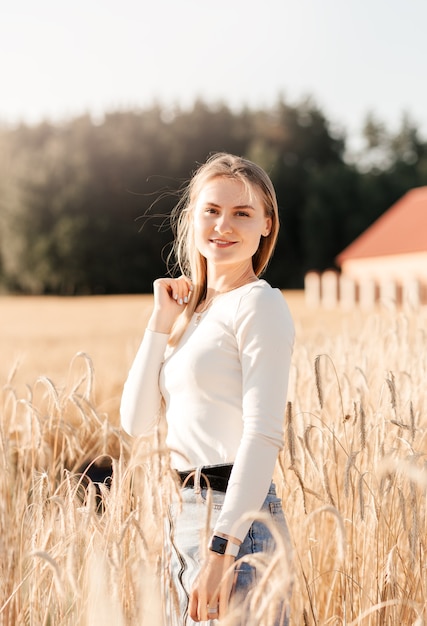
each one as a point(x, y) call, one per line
point(218, 282)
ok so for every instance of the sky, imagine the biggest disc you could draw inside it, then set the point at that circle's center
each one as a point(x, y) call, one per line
point(353, 57)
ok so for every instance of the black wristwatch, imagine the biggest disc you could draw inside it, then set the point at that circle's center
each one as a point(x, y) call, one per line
point(220, 545)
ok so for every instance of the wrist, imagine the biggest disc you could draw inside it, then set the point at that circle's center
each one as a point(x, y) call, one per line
point(158, 324)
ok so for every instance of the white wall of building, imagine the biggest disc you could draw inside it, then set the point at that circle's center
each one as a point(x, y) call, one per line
point(399, 267)
point(389, 281)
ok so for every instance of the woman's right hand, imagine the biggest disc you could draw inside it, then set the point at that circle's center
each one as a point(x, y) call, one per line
point(171, 295)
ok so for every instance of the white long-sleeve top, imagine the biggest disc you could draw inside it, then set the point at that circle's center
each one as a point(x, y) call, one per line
point(224, 388)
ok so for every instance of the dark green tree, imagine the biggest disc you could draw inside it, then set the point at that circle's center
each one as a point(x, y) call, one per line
point(84, 206)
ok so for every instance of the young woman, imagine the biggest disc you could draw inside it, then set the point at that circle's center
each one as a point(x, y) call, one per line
point(215, 361)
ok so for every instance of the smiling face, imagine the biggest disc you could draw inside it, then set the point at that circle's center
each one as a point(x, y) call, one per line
point(229, 220)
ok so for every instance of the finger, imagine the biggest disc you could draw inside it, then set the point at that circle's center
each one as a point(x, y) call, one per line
point(203, 607)
point(193, 606)
point(176, 292)
point(186, 282)
point(212, 610)
point(163, 285)
point(182, 290)
point(225, 592)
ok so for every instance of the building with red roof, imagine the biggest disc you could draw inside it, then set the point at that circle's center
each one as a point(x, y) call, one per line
point(394, 247)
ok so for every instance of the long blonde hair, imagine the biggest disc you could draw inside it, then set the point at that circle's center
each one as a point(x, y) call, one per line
point(187, 258)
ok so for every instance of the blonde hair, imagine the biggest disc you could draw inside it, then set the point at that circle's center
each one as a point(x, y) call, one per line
point(187, 258)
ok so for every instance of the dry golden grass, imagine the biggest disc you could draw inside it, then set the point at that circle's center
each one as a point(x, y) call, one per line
point(352, 474)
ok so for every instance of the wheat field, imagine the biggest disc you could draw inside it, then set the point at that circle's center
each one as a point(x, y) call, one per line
point(352, 474)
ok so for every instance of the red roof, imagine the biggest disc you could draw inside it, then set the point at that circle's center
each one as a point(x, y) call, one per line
point(401, 229)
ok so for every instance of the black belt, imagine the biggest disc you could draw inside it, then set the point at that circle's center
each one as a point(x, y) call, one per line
point(213, 476)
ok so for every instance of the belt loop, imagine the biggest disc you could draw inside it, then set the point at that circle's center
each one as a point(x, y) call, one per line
point(197, 474)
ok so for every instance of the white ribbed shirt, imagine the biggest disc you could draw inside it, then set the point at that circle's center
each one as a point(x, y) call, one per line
point(224, 388)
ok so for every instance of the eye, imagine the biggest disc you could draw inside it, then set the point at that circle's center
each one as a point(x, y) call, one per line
point(211, 210)
point(242, 214)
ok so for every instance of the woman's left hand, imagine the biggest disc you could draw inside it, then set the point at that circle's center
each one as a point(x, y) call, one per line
point(212, 588)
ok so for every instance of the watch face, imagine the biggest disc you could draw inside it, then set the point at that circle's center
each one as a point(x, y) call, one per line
point(219, 544)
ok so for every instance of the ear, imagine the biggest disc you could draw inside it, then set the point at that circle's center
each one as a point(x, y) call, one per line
point(268, 225)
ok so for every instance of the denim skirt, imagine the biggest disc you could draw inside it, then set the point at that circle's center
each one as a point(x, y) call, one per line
point(263, 574)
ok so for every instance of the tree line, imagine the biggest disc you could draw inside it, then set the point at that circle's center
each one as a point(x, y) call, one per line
point(84, 205)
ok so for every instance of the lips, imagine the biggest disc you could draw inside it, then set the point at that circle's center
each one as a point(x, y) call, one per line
point(223, 243)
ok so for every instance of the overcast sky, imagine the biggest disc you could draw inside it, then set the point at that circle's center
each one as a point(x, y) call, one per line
point(59, 59)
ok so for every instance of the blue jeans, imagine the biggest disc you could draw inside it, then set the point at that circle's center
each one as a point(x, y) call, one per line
point(262, 584)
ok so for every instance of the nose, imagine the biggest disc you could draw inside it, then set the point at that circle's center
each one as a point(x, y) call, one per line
point(223, 224)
